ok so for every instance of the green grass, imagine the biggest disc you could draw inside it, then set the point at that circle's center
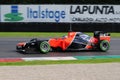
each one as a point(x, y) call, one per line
point(30, 34)
point(40, 62)
point(115, 35)
point(43, 34)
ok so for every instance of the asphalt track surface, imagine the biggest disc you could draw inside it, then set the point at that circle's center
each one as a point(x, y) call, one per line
point(8, 50)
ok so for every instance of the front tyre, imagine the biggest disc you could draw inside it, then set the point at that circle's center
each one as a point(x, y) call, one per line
point(104, 45)
point(44, 47)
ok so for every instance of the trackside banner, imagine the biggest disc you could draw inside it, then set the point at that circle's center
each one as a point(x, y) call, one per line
point(60, 13)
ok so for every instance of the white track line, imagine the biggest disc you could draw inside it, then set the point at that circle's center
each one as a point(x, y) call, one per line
point(48, 58)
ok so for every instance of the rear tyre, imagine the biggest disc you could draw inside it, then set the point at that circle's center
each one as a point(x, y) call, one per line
point(104, 45)
point(44, 47)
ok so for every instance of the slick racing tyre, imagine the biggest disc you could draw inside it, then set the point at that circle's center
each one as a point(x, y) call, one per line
point(44, 47)
point(104, 45)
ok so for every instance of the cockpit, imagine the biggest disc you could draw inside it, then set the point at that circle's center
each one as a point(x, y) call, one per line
point(80, 37)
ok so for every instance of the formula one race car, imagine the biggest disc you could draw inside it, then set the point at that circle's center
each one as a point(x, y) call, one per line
point(73, 41)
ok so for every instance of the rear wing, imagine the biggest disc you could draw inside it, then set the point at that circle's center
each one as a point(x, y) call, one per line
point(102, 35)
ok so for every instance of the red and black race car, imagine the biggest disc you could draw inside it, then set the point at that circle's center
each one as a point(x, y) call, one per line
point(73, 41)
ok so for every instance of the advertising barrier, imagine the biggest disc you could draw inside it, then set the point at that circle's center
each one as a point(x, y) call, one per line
point(60, 13)
point(33, 13)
